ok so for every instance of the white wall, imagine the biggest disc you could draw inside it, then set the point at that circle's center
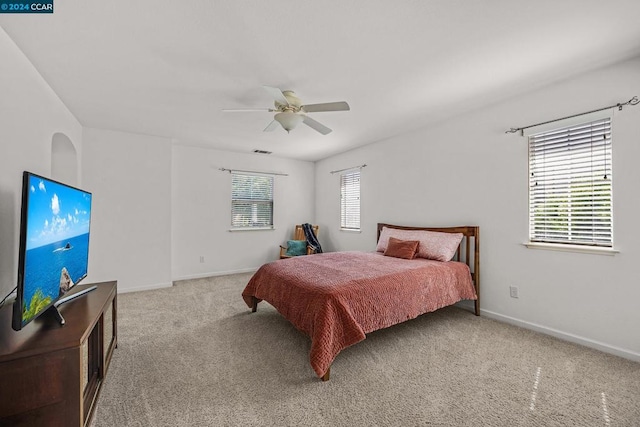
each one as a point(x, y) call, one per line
point(467, 171)
point(130, 178)
point(201, 211)
point(65, 160)
point(30, 114)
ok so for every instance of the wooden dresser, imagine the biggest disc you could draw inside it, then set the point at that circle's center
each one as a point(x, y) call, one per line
point(51, 375)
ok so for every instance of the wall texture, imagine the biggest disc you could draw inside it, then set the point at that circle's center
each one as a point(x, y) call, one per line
point(30, 114)
point(467, 171)
point(201, 211)
point(130, 178)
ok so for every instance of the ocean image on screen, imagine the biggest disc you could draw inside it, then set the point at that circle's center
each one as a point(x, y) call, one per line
point(57, 243)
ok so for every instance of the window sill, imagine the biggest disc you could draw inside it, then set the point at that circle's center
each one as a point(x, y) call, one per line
point(251, 228)
point(572, 248)
point(351, 230)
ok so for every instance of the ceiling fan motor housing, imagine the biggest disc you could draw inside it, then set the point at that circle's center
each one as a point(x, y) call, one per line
point(294, 102)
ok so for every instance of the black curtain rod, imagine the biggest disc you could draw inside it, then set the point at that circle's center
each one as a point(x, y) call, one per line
point(632, 101)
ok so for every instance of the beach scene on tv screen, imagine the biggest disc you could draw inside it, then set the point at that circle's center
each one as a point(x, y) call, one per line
point(57, 242)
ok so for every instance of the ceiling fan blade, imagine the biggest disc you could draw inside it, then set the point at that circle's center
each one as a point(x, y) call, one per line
point(328, 106)
point(247, 110)
point(276, 94)
point(314, 124)
point(272, 126)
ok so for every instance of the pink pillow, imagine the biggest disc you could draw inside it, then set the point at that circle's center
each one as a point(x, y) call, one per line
point(433, 244)
point(405, 249)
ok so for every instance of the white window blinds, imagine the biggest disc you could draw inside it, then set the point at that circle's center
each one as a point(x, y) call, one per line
point(570, 185)
point(251, 201)
point(350, 200)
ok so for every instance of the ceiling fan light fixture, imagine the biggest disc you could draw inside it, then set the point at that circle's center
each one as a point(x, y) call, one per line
point(289, 120)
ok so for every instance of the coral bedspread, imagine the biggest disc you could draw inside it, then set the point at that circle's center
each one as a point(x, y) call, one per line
point(336, 298)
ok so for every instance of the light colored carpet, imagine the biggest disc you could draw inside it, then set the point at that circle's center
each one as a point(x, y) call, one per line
point(194, 355)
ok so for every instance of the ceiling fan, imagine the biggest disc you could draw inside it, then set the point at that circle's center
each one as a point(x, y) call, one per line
point(290, 111)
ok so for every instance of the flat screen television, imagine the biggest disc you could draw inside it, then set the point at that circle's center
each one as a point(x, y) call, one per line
point(54, 245)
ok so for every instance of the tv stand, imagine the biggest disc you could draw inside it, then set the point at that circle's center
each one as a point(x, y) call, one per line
point(52, 375)
point(54, 308)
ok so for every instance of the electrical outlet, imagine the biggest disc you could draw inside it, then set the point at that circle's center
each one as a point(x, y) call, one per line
point(201, 259)
point(513, 291)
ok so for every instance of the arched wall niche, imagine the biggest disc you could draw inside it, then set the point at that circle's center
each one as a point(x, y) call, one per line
point(64, 160)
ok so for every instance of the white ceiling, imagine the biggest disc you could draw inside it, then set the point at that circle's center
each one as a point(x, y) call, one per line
point(168, 68)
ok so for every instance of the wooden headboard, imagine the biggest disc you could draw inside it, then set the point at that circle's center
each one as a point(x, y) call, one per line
point(465, 253)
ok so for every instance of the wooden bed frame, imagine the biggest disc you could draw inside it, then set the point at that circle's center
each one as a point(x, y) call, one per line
point(465, 253)
point(468, 252)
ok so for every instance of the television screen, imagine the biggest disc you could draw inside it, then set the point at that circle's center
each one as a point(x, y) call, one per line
point(54, 244)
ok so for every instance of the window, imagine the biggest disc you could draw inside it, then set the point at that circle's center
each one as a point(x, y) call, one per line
point(251, 201)
point(350, 200)
point(570, 185)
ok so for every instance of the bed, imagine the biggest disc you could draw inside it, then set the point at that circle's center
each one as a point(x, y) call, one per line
point(337, 298)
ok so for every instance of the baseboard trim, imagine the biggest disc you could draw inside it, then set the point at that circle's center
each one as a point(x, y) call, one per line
point(617, 351)
point(145, 287)
point(215, 273)
point(189, 277)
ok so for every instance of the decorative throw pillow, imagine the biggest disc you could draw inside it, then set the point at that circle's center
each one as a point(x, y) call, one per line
point(433, 244)
point(401, 248)
point(296, 247)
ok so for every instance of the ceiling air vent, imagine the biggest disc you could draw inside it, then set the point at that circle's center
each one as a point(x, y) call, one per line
point(261, 152)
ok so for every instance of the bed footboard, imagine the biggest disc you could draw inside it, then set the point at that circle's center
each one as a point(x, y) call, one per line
point(325, 377)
